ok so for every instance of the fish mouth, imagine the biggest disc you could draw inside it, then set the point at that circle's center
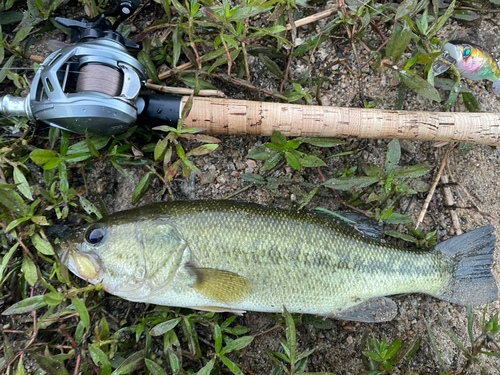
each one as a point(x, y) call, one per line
point(452, 53)
point(84, 266)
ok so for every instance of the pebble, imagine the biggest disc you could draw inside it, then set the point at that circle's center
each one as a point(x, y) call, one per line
point(349, 340)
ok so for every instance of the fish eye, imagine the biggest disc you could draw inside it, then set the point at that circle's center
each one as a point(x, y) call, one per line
point(467, 51)
point(94, 234)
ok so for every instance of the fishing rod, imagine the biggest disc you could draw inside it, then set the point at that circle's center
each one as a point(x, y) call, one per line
point(94, 85)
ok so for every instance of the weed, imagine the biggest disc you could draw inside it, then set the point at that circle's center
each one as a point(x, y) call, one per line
point(279, 148)
point(289, 360)
point(473, 354)
point(382, 357)
point(380, 188)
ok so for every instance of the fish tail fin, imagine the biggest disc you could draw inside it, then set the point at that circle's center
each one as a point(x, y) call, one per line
point(473, 281)
point(496, 87)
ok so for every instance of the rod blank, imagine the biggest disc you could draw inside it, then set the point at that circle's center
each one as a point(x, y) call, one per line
point(240, 117)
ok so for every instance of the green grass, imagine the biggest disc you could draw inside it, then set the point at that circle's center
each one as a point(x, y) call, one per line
point(66, 326)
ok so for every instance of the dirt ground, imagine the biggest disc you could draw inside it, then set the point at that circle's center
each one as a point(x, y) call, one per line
point(338, 348)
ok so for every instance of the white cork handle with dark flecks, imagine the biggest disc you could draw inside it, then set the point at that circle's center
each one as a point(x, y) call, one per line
point(240, 117)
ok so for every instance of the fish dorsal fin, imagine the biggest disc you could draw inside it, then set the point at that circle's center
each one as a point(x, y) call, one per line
point(357, 223)
point(219, 285)
point(375, 310)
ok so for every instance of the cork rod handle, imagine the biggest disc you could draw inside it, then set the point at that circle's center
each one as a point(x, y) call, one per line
point(240, 117)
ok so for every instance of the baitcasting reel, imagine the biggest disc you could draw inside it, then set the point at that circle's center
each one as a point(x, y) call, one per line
point(93, 84)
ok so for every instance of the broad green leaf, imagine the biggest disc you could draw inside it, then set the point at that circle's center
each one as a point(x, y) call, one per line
point(29, 270)
point(23, 185)
point(406, 7)
point(90, 145)
point(237, 344)
point(350, 183)
point(82, 311)
point(6, 67)
point(176, 40)
point(311, 161)
point(322, 142)
point(419, 85)
point(396, 218)
point(272, 161)
point(428, 57)
point(51, 365)
point(75, 158)
point(191, 81)
point(40, 156)
point(41, 245)
point(141, 188)
point(403, 236)
point(455, 90)
point(372, 170)
point(131, 365)
point(271, 66)
point(53, 298)
point(145, 60)
point(393, 156)
point(232, 366)
point(20, 368)
point(448, 84)
point(202, 150)
point(6, 259)
point(100, 359)
point(81, 147)
point(292, 160)
point(246, 11)
point(164, 327)
point(257, 153)
point(393, 348)
point(21, 35)
point(13, 201)
point(52, 163)
point(412, 170)
point(26, 306)
point(470, 102)
point(442, 20)
point(154, 368)
point(398, 41)
point(207, 369)
point(15, 223)
point(89, 207)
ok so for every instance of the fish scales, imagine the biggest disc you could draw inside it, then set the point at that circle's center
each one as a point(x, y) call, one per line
point(234, 256)
point(297, 259)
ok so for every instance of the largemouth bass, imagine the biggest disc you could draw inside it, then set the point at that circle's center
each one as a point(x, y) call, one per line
point(230, 256)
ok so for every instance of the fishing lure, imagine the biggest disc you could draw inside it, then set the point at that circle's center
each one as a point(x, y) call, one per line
point(472, 62)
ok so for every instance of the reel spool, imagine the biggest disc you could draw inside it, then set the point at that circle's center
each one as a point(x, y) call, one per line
point(92, 85)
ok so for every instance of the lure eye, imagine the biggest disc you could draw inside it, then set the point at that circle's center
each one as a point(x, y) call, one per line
point(467, 52)
point(94, 235)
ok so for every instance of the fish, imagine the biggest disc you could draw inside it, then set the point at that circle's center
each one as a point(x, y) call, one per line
point(232, 256)
point(471, 61)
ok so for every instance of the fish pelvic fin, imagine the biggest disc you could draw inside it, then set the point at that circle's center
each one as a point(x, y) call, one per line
point(220, 285)
point(496, 87)
point(472, 255)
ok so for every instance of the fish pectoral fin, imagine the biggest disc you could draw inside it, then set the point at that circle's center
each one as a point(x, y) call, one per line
point(218, 309)
point(219, 285)
point(375, 310)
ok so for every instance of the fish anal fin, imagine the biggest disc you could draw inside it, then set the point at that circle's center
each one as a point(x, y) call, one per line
point(220, 285)
point(374, 310)
point(218, 309)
